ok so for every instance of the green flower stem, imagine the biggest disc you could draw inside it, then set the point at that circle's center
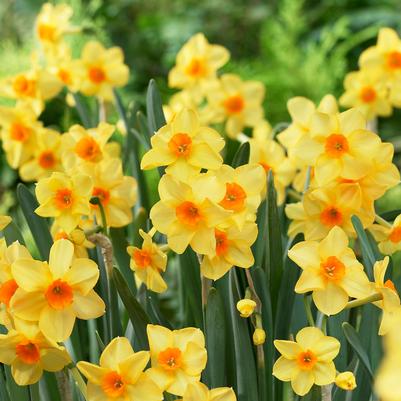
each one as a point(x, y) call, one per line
point(364, 301)
point(96, 201)
point(308, 311)
point(294, 194)
point(382, 222)
point(254, 293)
point(79, 381)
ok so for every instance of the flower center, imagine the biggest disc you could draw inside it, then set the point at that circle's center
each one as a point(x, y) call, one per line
point(47, 32)
point(19, 132)
point(336, 145)
point(88, 149)
point(142, 258)
point(188, 213)
point(367, 94)
point(64, 76)
point(7, 290)
point(395, 235)
point(63, 198)
point(306, 360)
point(47, 159)
point(59, 294)
point(96, 75)
point(394, 60)
point(331, 217)
point(113, 384)
point(332, 269)
point(196, 68)
point(102, 194)
point(180, 144)
point(23, 86)
point(170, 359)
point(222, 242)
point(28, 352)
point(235, 197)
point(234, 104)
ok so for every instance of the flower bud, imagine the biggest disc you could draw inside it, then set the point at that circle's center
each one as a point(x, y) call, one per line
point(346, 380)
point(259, 336)
point(246, 307)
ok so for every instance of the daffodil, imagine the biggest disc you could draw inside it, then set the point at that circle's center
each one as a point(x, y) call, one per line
point(196, 64)
point(46, 156)
point(184, 146)
point(148, 262)
point(65, 198)
point(103, 70)
point(116, 192)
point(30, 353)
point(330, 270)
point(120, 375)
point(19, 131)
point(54, 294)
point(346, 381)
point(188, 214)
point(389, 238)
point(367, 91)
point(233, 248)
point(199, 392)
point(178, 357)
point(237, 103)
point(307, 361)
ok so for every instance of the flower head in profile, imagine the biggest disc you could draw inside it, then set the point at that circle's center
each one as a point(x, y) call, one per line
point(330, 270)
point(120, 375)
point(184, 146)
point(65, 198)
point(389, 238)
point(54, 294)
point(29, 353)
point(196, 64)
point(346, 381)
point(237, 103)
point(246, 307)
point(199, 392)
point(148, 262)
point(178, 357)
point(307, 361)
point(103, 70)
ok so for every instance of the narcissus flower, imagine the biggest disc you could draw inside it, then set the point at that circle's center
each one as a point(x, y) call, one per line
point(237, 102)
point(199, 392)
point(115, 191)
point(330, 270)
point(259, 336)
point(307, 361)
point(30, 353)
point(184, 146)
point(120, 375)
point(196, 64)
point(233, 248)
point(367, 91)
point(148, 262)
point(178, 357)
point(103, 70)
point(46, 156)
point(346, 381)
point(246, 307)
point(389, 238)
point(56, 293)
point(187, 216)
point(65, 198)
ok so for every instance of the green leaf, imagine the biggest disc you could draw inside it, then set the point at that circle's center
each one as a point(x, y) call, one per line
point(82, 109)
point(34, 392)
point(241, 157)
point(138, 223)
point(12, 234)
point(259, 247)
point(215, 331)
point(137, 315)
point(16, 392)
point(38, 225)
point(354, 340)
point(3, 389)
point(154, 108)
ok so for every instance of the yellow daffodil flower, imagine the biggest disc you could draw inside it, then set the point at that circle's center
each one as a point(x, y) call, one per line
point(330, 270)
point(187, 215)
point(389, 238)
point(185, 147)
point(148, 262)
point(178, 357)
point(307, 361)
point(120, 375)
point(199, 392)
point(56, 293)
point(237, 103)
point(65, 198)
point(30, 353)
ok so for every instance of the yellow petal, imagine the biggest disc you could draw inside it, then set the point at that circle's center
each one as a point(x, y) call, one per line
point(89, 306)
point(60, 258)
point(160, 338)
point(284, 369)
point(325, 373)
point(196, 392)
point(331, 300)
point(116, 352)
point(334, 244)
point(83, 275)
point(54, 360)
point(326, 349)
point(56, 324)
point(289, 349)
point(27, 305)
point(305, 254)
point(24, 374)
point(133, 366)
point(308, 336)
point(222, 394)
point(302, 382)
point(31, 275)
point(145, 389)
point(92, 372)
point(194, 359)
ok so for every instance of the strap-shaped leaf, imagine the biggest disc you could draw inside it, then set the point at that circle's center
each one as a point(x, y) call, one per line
point(241, 157)
point(12, 234)
point(154, 107)
point(38, 225)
